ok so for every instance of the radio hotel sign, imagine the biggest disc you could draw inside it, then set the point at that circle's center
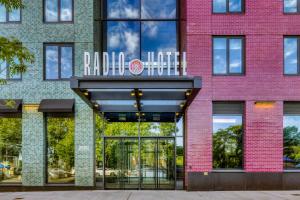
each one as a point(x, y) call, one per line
point(164, 63)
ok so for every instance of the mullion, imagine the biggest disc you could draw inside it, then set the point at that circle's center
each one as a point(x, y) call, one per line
point(59, 61)
point(298, 55)
point(7, 15)
point(227, 6)
point(227, 55)
point(58, 10)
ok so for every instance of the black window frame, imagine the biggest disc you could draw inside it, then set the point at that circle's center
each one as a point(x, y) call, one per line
point(12, 22)
point(243, 8)
point(228, 73)
point(8, 77)
point(104, 19)
point(59, 21)
point(298, 55)
point(59, 45)
point(291, 13)
point(226, 112)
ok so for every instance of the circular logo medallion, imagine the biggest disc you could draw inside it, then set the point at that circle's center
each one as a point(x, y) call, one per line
point(136, 67)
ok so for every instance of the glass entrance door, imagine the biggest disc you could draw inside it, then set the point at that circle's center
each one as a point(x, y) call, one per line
point(121, 163)
point(156, 169)
point(157, 163)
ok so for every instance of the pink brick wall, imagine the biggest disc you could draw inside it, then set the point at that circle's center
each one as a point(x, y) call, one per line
point(264, 26)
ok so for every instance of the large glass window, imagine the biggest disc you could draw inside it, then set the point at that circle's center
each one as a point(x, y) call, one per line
point(228, 6)
point(6, 72)
point(10, 150)
point(291, 55)
point(58, 10)
point(58, 61)
point(137, 27)
point(60, 150)
point(291, 135)
point(291, 6)
point(9, 17)
point(228, 55)
point(227, 136)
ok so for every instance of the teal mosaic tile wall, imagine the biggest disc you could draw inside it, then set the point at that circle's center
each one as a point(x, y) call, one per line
point(32, 89)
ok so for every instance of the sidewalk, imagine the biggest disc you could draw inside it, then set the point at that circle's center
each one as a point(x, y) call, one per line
point(149, 195)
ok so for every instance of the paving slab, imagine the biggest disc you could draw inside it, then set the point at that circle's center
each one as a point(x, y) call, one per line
point(152, 195)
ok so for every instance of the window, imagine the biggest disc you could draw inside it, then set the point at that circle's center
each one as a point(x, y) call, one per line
point(9, 17)
point(59, 62)
point(10, 150)
point(60, 149)
point(291, 136)
point(291, 55)
point(137, 27)
point(58, 10)
point(227, 135)
point(291, 6)
point(228, 6)
point(5, 72)
point(228, 55)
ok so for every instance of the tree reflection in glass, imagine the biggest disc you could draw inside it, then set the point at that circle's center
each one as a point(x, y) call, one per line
point(227, 142)
point(291, 133)
point(10, 150)
point(60, 139)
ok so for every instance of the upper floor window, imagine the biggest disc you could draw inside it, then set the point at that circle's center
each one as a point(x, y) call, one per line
point(137, 27)
point(59, 63)
point(228, 6)
point(291, 6)
point(6, 72)
point(291, 55)
point(228, 135)
point(58, 10)
point(228, 55)
point(291, 135)
point(8, 17)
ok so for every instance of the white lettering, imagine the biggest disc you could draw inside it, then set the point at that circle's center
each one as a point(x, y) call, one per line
point(160, 64)
point(184, 71)
point(121, 64)
point(176, 64)
point(150, 63)
point(164, 63)
point(87, 62)
point(169, 63)
point(96, 64)
point(105, 64)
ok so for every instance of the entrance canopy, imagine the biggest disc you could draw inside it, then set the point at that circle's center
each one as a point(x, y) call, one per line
point(131, 98)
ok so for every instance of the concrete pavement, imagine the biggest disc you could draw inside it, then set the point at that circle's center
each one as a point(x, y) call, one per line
point(152, 195)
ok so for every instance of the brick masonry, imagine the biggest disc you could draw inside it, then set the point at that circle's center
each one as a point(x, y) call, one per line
point(264, 26)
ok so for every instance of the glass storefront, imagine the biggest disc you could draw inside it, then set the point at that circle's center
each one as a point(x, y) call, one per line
point(60, 150)
point(10, 150)
point(138, 155)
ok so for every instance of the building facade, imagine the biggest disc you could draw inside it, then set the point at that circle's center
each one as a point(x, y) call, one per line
point(235, 128)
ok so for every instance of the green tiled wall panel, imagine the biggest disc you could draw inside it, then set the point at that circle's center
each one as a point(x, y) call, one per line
point(33, 33)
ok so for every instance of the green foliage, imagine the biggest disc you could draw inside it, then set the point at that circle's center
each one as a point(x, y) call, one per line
point(15, 55)
point(60, 132)
point(12, 4)
point(291, 144)
point(11, 49)
point(10, 135)
point(228, 147)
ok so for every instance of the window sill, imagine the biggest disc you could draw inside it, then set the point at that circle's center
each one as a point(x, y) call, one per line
point(228, 171)
point(229, 13)
point(59, 184)
point(291, 171)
